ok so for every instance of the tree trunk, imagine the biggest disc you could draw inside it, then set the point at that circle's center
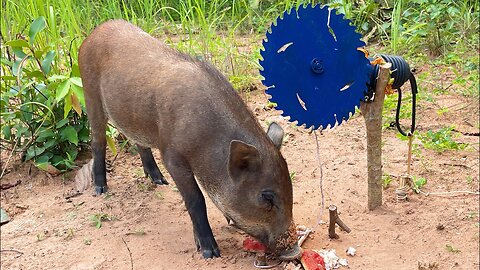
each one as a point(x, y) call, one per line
point(372, 113)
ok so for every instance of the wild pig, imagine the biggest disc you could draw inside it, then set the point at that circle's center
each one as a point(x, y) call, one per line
point(161, 98)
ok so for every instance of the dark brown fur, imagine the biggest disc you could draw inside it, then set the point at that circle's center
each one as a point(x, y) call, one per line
point(164, 99)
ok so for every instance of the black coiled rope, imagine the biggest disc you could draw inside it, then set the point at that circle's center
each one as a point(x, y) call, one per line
point(401, 74)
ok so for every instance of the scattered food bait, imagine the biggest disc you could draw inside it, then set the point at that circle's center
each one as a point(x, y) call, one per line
point(4, 218)
point(351, 251)
point(289, 239)
point(311, 260)
point(332, 261)
point(301, 228)
point(253, 245)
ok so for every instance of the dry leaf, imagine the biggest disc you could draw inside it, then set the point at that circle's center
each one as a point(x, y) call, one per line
point(49, 168)
point(362, 49)
point(377, 61)
point(76, 104)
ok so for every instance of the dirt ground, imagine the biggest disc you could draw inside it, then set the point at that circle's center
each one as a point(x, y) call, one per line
point(151, 229)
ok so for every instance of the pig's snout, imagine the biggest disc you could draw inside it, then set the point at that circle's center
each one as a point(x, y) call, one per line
point(292, 253)
point(286, 246)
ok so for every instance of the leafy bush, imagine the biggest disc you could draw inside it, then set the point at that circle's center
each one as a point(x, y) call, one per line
point(440, 140)
point(41, 102)
point(437, 25)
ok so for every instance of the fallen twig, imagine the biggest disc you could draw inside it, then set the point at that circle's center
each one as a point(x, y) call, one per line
point(457, 165)
point(8, 159)
point(450, 193)
point(8, 185)
point(467, 133)
point(19, 253)
point(73, 195)
point(129, 252)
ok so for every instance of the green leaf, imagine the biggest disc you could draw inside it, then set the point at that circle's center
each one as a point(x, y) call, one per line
point(18, 43)
point(418, 183)
point(37, 25)
point(20, 130)
point(19, 52)
point(62, 123)
point(57, 77)
point(8, 78)
point(62, 90)
point(68, 105)
point(111, 145)
point(7, 132)
point(5, 61)
point(75, 71)
point(70, 134)
point(76, 81)
point(49, 143)
point(35, 74)
point(46, 166)
point(84, 135)
point(39, 53)
point(45, 157)
point(44, 135)
point(47, 61)
point(34, 151)
point(41, 160)
point(450, 248)
point(16, 67)
point(71, 152)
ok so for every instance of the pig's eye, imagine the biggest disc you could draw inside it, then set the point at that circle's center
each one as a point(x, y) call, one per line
point(268, 197)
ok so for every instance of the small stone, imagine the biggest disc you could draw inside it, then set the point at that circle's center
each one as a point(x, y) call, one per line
point(343, 262)
point(440, 227)
point(351, 251)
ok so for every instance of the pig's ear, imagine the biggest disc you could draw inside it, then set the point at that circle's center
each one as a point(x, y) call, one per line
point(243, 158)
point(275, 132)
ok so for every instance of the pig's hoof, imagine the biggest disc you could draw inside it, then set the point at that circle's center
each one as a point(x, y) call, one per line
point(160, 181)
point(209, 248)
point(210, 253)
point(100, 190)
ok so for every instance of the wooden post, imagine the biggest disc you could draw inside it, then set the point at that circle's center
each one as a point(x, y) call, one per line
point(372, 113)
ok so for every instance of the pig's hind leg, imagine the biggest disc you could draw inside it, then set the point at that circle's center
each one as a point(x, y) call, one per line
point(181, 173)
point(150, 166)
point(98, 123)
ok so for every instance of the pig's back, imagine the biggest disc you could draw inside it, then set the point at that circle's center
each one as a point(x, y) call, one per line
point(158, 96)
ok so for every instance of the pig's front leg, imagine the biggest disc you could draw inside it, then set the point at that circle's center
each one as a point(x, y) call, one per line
point(195, 203)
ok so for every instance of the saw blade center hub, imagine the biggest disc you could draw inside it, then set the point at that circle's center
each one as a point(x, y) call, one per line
point(317, 66)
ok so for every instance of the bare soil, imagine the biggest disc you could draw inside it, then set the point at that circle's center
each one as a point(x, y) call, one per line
point(150, 228)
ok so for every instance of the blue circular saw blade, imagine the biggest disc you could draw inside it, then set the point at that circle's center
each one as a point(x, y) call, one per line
point(323, 96)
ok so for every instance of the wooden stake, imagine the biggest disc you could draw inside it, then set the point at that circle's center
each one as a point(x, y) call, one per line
point(372, 113)
point(335, 219)
point(409, 159)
